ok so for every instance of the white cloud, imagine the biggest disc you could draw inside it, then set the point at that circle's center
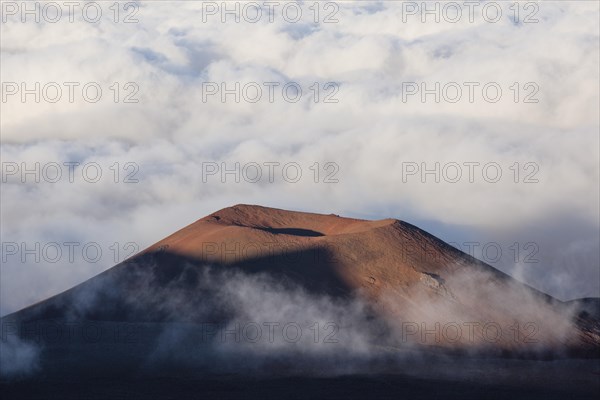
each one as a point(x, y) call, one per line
point(370, 52)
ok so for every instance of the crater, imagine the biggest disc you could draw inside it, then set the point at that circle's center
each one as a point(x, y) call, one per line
point(291, 231)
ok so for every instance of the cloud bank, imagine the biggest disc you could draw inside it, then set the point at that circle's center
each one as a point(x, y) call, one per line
point(373, 53)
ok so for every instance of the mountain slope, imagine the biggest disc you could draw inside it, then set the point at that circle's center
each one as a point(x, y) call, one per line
point(421, 290)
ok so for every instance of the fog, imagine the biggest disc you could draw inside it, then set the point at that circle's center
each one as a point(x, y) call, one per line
point(211, 320)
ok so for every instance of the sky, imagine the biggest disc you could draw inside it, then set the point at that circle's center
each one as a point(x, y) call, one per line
point(476, 121)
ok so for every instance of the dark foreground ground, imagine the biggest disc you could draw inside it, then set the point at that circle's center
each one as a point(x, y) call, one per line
point(139, 369)
point(235, 387)
point(431, 379)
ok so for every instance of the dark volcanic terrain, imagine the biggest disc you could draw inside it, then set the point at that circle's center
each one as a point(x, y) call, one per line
point(309, 306)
